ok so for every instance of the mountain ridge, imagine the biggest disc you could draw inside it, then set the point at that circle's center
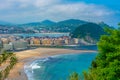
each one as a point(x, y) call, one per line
point(68, 25)
point(5, 23)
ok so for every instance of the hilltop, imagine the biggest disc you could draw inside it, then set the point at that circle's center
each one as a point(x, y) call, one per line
point(90, 32)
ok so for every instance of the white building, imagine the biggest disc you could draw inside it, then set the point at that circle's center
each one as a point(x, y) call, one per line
point(8, 46)
point(19, 45)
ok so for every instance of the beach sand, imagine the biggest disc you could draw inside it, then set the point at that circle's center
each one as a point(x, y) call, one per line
point(27, 56)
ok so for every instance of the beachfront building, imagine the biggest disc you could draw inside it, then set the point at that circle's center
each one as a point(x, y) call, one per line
point(47, 42)
point(12, 38)
point(66, 41)
point(1, 44)
point(5, 40)
point(35, 42)
point(23, 43)
point(31, 42)
point(8, 46)
point(71, 41)
point(76, 41)
point(59, 42)
point(19, 45)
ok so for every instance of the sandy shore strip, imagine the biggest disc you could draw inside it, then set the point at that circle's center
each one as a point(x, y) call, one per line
point(27, 56)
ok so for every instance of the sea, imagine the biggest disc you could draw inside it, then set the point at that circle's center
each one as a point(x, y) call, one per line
point(27, 35)
point(42, 35)
point(59, 67)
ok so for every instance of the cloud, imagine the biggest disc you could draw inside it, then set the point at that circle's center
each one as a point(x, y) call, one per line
point(6, 4)
point(31, 10)
point(82, 9)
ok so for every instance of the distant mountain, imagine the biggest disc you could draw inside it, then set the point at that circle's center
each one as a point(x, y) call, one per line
point(48, 25)
point(33, 24)
point(5, 23)
point(48, 22)
point(72, 22)
point(69, 25)
point(62, 26)
point(89, 32)
point(38, 24)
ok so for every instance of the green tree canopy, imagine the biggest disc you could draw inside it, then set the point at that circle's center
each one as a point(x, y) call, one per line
point(74, 76)
point(106, 66)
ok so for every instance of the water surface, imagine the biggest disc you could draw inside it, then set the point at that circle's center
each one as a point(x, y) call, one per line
point(42, 35)
point(59, 67)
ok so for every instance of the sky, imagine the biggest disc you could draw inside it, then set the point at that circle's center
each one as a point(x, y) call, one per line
point(23, 11)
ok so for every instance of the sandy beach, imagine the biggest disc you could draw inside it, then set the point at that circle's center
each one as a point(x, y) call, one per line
point(27, 56)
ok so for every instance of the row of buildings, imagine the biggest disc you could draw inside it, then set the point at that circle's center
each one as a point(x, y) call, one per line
point(18, 43)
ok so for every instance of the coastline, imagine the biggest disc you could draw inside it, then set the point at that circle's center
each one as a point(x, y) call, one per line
point(28, 56)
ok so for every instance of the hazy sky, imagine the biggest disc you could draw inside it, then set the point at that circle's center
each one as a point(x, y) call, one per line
point(23, 11)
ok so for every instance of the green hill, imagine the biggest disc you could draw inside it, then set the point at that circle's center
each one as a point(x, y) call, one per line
point(61, 26)
point(72, 22)
point(89, 31)
point(47, 23)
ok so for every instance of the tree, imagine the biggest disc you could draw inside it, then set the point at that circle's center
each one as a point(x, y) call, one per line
point(3, 58)
point(13, 61)
point(74, 76)
point(119, 26)
point(0, 75)
point(106, 66)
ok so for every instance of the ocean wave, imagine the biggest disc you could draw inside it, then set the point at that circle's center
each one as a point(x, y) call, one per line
point(29, 68)
point(35, 66)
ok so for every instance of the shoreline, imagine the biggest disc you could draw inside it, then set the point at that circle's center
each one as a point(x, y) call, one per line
point(29, 56)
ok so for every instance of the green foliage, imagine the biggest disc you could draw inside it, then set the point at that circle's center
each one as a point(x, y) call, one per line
point(106, 66)
point(74, 76)
point(91, 30)
point(3, 58)
point(119, 26)
point(87, 76)
point(0, 75)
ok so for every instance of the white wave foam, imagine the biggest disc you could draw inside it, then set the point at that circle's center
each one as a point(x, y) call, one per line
point(36, 66)
point(29, 69)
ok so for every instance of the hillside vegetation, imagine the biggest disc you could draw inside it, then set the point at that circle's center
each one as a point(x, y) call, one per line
point(88, 32)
